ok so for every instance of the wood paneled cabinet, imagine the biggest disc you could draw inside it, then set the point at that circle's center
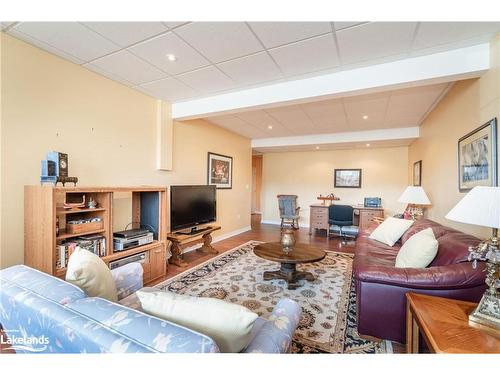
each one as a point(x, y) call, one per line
point(363, 216)
point(48, 235)
point(158, 262)
point(318, 218)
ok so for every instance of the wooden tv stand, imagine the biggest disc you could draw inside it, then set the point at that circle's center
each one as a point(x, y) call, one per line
point(179, 242)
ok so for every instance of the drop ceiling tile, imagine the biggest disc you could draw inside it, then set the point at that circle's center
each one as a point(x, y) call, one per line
point(237, 125)
point(293, 118)
point(173, 25)
point(107, 74)
point(126, 33)
point(44, 46)
point(129, 67)
point(345, 25)
point(261, 120)
point(375, 40)
point(72, 38)
point(169, 89)
point(207, 80)
point(156, 50)
point(251, 69)
point(373, 107)
point(413, 103)
point(306, 56)
point(435, 33)
point(327, 115)
point(4, 25)
point(220, 41)
point(274, 34)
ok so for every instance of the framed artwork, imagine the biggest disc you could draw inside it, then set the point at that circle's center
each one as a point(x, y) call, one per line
point(477, 157)
point(220, 171)
point(417, 173)
point(347, 178)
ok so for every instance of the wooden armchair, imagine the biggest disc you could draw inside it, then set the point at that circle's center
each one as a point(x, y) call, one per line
point(289, 212)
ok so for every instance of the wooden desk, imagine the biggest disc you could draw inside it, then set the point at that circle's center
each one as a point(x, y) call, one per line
point(179, 241)
point(444, 325)
point(362, 216)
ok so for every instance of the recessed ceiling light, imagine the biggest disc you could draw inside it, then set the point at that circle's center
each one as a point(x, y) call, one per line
point(270, 127)
point(171, 57)
point(317, 147)
point(367, 145)
point(365, 117)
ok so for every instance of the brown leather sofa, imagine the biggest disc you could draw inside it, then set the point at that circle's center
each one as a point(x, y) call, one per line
point(381, 287)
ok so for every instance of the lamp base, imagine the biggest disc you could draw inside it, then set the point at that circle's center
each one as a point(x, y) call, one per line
point(487, 314)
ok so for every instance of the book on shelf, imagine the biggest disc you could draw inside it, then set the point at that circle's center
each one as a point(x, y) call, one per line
point(94, 243)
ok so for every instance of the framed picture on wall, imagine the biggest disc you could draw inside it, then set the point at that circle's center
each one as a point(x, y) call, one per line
point(347, 178)
point(417, 173)
point(220, 171)
point(477, 157)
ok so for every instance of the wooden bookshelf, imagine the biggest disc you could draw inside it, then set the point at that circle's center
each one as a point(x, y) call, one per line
point(43, 207)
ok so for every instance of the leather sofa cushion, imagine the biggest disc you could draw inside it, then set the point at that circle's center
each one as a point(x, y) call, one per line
point(453, 244)
point(438, 229)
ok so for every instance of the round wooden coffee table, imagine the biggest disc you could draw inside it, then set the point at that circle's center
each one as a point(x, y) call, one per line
point(301, 253)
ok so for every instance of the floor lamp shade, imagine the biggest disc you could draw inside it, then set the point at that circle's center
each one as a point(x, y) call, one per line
point(481, 206)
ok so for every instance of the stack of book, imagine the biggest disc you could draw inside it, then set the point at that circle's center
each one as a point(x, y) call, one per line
point(93, 243)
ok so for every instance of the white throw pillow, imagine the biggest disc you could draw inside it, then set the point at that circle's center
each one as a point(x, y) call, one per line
point(391, 230)
point(87, 271)
point(228, 324)
point(418, 251)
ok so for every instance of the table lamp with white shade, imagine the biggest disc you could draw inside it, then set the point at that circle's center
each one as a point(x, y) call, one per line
point(416, 199)
point(481, 206)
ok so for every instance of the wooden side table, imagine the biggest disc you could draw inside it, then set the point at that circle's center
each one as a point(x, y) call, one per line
point(179, 241)
point(444, 325)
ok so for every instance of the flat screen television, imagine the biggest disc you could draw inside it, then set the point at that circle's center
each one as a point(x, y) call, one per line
point(192, 205)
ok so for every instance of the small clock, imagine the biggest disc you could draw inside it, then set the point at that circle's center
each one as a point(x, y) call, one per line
point(61, 161)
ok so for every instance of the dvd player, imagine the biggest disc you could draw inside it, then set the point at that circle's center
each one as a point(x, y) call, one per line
point(131, 233)
point(125, 243)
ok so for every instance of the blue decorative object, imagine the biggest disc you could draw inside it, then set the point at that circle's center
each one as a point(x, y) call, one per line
point(55, 169)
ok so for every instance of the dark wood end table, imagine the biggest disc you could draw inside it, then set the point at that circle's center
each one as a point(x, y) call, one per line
point(301, 253)
point(444, 325)
point(179, 241)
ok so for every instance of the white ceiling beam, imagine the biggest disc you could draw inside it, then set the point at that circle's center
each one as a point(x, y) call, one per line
point(339, 138)
point(453, 65)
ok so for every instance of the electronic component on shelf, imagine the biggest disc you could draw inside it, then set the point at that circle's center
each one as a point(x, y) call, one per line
point(136, 258)
point(129, 239)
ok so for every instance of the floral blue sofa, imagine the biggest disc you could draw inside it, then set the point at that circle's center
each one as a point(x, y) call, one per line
point(40, 313)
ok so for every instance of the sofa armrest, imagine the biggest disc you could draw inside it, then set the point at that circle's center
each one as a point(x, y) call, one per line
point(455, 276)
point(276, 334)
point(128, 279)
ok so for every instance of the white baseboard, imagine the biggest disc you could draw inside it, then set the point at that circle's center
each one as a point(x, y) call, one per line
point(219, 238)
point(257, 213)
point(278, 222)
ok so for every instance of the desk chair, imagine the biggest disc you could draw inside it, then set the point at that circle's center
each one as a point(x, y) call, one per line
point(289, 212)
point(340, 219)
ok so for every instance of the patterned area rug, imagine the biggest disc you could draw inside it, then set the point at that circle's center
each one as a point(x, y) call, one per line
point(328, 323)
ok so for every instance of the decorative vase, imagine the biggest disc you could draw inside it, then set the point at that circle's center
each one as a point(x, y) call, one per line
point(287, 240)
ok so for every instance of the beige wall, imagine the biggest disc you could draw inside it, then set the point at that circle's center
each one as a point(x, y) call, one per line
point(308, 174)
point(257, 197)
point(109, 132)
point(467, 105)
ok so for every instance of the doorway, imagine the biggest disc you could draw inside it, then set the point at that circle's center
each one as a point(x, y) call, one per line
point(256, 184)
